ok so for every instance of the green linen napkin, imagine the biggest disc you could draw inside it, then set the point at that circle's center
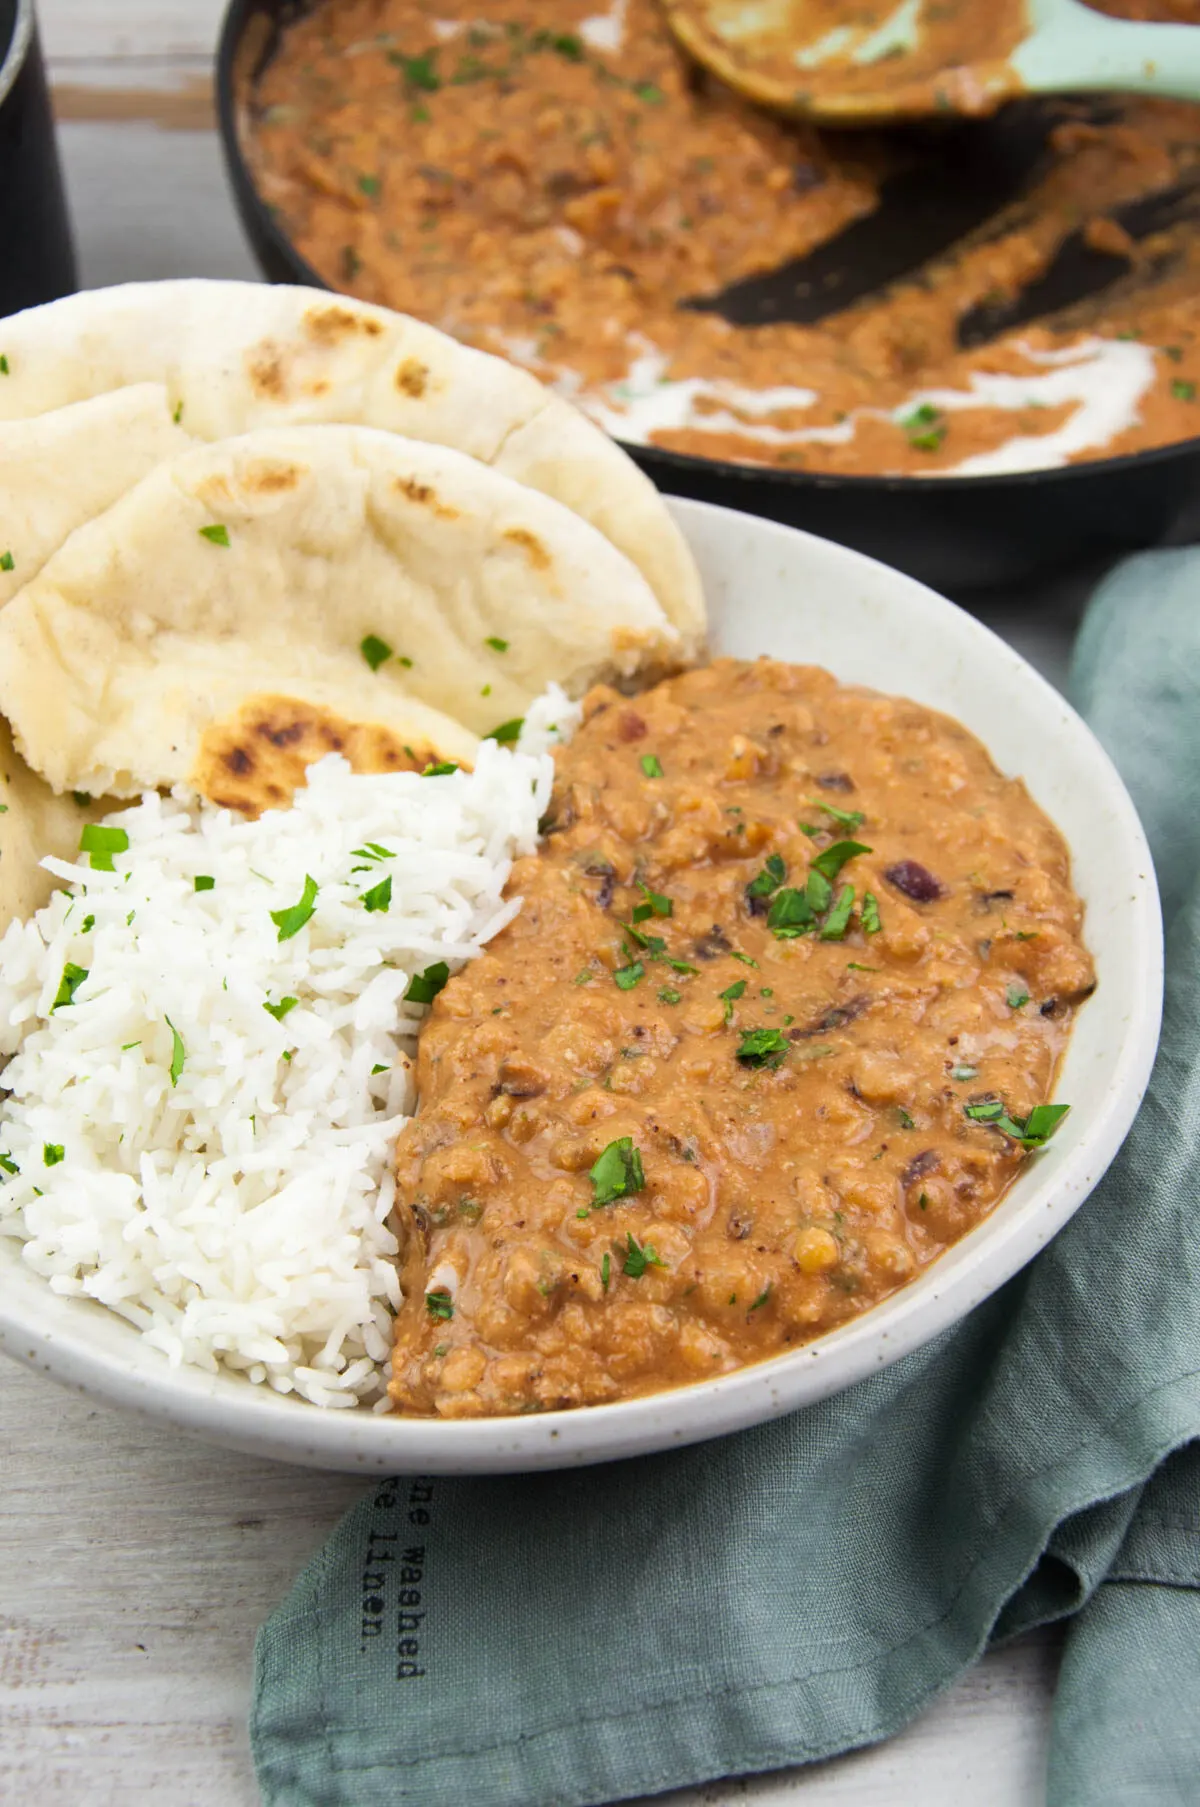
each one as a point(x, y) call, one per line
point(807, 1587)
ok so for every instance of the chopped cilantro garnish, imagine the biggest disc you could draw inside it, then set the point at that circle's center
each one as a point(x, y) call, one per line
point(790, 914)
point(659, 905)
point(845, 818)
point(680, 966)
point(126, 1046)
point(507, 732)
point(280, 1010)
point(763, 1296)
point(496, 643)
point(668, 995)
point(736, 953)
point(203, 881)
point(1183, 391)
point(870, 914)
point(72, 978)
point(439, 1304)
point(177, 416)
point(1042, 1122)
point(52, 1153)
point(730, 996)
point(101, 843)
point(834, 858)
point(769, 879)
point(418, 71)
point(649, 92)
point(1033, 1132)
point(651, 765)
point(89, 923)
point(442, 769)
point(818, 892)
point(808, 829)
point(925, 428)
point(3, 364)
point(178, 1052)
point(372, 851)
point(762, 1048)
point(289, 922)
point(605, 1271)
point(856, 966)
point(217, 535)
point(1016, 996)
point(639, 1256)
point(585, 977)
point(380, 1066)
point(379, 897)
point(627, 976)
point(6, 561)
point(903, 1118)
point(369, 185)
point(8, 1164)
point(423, 987)
point(617, 1173)
point(375, 651)
point(838, 919)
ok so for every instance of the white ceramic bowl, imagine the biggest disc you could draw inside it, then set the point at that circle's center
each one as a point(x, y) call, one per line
point(770, 590)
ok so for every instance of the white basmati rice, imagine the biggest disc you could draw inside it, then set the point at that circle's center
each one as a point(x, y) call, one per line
point(234, 1208)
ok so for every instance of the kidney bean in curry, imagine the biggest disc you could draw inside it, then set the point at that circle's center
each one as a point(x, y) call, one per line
point(794, 967)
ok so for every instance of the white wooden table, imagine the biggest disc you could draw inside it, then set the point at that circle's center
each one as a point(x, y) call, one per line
point(135, 1567)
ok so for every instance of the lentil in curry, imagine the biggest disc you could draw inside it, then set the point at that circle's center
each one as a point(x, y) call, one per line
point(775, 1026)
point(554, 182)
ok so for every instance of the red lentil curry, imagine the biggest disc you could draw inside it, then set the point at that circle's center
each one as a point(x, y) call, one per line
point(777, 1024)
point(551, 181)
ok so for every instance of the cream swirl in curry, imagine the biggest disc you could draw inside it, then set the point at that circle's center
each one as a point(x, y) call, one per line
point(776, 1025)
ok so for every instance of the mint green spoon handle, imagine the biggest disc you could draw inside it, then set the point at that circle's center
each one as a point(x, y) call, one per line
point(1072, 49)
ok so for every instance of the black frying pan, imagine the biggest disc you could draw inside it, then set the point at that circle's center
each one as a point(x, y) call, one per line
point(956, 533)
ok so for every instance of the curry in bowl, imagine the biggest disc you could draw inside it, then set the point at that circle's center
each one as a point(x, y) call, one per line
point(776, 1024)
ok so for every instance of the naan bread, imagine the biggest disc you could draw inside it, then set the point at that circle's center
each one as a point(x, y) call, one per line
point(237, 356)
point(257, 760)
point(60, 469)
point(261, 565)
point(34, 822)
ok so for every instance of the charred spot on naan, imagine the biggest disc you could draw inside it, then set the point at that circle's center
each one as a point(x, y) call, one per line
point(328, 325)
point(257, 759)
point(264, 370)
point(413, 378)
point(425, 496)
point(270, 477)
point(530, 545)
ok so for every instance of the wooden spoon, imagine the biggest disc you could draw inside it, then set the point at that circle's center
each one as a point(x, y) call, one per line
point(847, 64)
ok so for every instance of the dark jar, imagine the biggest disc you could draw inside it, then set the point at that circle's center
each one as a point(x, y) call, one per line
point(37, 262)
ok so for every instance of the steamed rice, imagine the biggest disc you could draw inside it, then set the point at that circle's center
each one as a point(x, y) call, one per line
point(216, 1171)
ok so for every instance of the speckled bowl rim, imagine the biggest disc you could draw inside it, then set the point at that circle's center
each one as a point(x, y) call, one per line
point(761, 578)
